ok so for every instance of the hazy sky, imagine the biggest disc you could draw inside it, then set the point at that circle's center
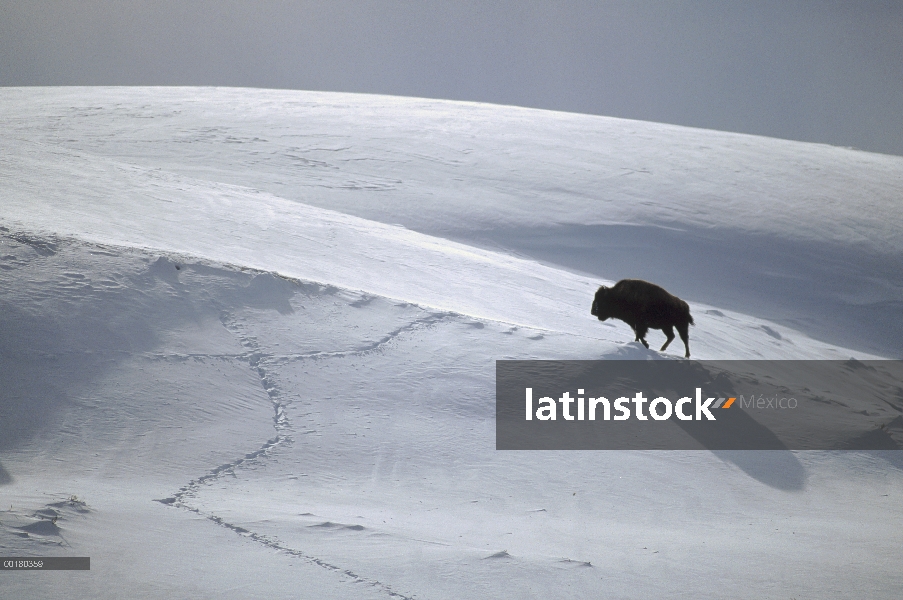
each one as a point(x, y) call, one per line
point(818, 70)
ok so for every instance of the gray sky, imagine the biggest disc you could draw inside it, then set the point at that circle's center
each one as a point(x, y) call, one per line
point(818, 70)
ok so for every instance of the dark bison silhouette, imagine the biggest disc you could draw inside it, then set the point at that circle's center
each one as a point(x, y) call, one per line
point(644, 306)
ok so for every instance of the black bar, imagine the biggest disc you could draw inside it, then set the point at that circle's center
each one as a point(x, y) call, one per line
point(45, 563)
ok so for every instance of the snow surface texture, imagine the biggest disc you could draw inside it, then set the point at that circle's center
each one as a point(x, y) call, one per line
point(248, 342)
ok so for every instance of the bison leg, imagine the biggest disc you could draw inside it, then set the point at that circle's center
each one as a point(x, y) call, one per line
point(682, 329)
point(641, 331)
point(669, 332)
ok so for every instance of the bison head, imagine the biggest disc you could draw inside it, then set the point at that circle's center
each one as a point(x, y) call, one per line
point(600, 304)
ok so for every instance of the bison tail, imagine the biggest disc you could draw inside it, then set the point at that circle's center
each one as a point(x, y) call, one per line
point(689, 316)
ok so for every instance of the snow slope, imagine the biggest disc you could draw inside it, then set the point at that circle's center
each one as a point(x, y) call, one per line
point(804, 235)
point(253, 334)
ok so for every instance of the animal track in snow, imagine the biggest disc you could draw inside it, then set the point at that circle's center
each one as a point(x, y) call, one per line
point(259, 361)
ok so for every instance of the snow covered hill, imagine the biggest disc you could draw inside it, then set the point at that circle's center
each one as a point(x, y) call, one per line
point(248, 342)
point(805, 235)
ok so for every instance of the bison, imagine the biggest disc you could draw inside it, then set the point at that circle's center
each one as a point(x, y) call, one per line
point(644, 306)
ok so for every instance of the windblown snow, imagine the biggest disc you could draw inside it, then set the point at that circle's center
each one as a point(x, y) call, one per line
point(248, 341)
